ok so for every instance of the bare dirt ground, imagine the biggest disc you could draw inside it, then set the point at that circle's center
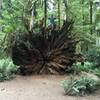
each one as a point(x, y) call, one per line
point(44, 87)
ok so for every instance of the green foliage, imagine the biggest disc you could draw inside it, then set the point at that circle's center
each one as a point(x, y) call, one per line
point(87, 67)
point(96, 71)
point(93, 55)
point(7, 68)
point(81, 86)
point(17, 14)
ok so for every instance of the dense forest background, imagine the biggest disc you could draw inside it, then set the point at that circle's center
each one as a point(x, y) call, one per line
point(15, 16)
point(52, 37)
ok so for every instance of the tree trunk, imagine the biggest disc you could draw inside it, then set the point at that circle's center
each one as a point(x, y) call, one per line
point(82, 12)
point(59, 13)
point(1, 13)
point(66, 7)
point(45, 12)
point(91, 16)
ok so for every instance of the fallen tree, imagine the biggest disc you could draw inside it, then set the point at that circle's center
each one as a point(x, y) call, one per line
point(51, 51)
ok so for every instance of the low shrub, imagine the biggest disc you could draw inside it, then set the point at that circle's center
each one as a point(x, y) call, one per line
point(93, 55)
point(96, 71)
point(86, 67)
point(7, 69)
point(81, 86)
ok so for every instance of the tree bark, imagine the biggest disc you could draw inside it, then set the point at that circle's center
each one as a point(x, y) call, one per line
point(1, 1)
point(45, 12)
point(91, 16)
point(83, 12)
point(59, 13)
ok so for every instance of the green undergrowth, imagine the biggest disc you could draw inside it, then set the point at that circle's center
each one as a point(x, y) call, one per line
point(7, 69)
point(88, 67)
point(85, 79)
point(80, 86)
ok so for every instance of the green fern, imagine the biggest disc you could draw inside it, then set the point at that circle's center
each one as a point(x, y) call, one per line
point(81, 86)
point(87, 67)
point(6, 69)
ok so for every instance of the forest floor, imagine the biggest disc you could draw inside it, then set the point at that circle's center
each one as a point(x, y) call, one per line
point(44, 87)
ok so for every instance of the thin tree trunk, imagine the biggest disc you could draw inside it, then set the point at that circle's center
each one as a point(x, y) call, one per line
point(45, 12)
point(83, 12)
point(91, 16)
point(59, 13)
point(1, 12)
point(31, 20)
point(1, 4)
point(66, 8)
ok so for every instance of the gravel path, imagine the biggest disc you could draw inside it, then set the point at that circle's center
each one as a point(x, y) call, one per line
point(38, 88)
